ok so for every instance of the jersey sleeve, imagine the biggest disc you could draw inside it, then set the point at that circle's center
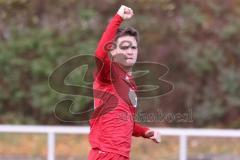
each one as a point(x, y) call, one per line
point(139, 130)
point(101, 53)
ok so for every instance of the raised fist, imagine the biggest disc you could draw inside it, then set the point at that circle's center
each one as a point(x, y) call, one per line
point(125, 12)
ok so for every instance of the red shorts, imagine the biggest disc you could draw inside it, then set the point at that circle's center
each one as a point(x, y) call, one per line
point(96, 154)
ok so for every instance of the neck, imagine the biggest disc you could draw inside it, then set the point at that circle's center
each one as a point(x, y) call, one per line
point(128, 69)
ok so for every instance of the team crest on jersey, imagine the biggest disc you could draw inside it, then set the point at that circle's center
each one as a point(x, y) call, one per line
point(133, 97)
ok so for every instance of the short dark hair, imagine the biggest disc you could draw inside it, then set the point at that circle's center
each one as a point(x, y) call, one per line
point(127, 31)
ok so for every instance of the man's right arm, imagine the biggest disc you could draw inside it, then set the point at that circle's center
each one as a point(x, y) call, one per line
point(108, 36)
point(103, 66)
point(122, 14)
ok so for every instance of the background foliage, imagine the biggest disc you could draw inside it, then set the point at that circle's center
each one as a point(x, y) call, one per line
point(198, 40)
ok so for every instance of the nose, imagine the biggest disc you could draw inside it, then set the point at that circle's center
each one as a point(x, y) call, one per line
point(129, 51)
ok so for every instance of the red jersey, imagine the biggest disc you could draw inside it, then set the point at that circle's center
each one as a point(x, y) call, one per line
point(112, 124)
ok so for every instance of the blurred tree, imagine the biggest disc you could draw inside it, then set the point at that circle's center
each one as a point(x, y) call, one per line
point(198, 40)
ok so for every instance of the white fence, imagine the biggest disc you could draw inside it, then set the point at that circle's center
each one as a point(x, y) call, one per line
point(183, 134)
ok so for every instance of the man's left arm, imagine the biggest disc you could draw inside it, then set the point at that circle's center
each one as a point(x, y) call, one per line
point(142, 131)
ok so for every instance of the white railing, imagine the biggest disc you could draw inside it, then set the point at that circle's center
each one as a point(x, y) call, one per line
point(183, 134)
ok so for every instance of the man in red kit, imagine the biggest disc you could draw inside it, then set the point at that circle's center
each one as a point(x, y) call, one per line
point(112, 124)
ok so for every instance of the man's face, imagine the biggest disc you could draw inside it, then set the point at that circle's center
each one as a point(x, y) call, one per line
point(126, 51)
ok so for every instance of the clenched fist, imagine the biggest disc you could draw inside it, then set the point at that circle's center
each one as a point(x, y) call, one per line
point(125, 12)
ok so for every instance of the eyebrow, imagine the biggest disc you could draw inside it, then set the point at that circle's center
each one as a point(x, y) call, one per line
point(129, 45)
point(126, 47)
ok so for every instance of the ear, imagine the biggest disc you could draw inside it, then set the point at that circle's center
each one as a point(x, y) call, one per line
point(112, 53)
